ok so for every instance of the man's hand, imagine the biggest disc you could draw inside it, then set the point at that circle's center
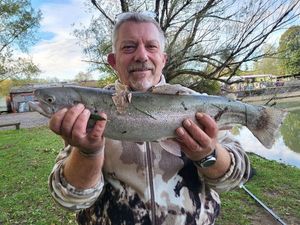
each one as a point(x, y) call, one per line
point(198, 140)
point(71, 124)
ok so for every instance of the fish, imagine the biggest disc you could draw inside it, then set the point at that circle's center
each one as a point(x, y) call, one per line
point(155, 115)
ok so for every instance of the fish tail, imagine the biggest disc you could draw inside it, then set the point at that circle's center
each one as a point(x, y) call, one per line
point(267, 125)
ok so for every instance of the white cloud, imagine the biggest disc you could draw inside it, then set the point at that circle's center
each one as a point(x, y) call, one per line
point(60, 56)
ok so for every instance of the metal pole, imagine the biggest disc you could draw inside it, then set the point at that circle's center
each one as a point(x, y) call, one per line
point(263, 205)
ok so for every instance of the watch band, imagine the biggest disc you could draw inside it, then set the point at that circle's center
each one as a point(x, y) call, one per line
point(207, 161)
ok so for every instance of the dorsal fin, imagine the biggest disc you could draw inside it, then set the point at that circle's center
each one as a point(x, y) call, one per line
point(176, 89)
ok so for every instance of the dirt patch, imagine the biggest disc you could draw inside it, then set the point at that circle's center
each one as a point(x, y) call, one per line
point(263, 217)
point(27, 120)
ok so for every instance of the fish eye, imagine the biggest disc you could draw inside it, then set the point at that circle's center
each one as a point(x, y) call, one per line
point(50, 99)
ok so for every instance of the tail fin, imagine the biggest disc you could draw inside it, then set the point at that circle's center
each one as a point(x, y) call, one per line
point(267, 125)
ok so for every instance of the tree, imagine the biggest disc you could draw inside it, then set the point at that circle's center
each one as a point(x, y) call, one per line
point(5, 87)
point(18, 23)
point(290, 126)
point(104, 81)
point(289, 50)
point(270, 63)
point(81, 76)
point(205, 39)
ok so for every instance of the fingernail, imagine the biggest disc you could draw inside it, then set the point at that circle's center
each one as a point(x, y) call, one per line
point(79, 105)
point(187, 123)
point(103, 115)
point(180, 131)
point(199, 114)
point(63, 110)
point(86, 112)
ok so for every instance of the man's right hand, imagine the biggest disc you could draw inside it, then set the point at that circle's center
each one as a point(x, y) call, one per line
point(71, 124)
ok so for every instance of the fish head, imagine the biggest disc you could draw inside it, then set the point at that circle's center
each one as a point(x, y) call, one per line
point(50, 100)
point(37, 106)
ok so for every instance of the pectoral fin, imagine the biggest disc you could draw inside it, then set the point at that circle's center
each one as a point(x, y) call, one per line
point(171, 146)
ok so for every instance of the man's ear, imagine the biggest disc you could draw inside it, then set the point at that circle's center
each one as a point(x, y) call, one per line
point(111, 59)
point(165, 58)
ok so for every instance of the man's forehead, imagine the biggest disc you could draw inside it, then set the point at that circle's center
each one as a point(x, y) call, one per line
point(135, 41)
point(129, 30)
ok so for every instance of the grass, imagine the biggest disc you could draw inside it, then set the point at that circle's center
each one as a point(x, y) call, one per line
point(276, 185)
point(27, 157)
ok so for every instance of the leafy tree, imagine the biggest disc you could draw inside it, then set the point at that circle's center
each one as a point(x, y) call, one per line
point(291, 126)
point(104, 81)
point(270, 63)
point(289, 50)
point(205, 39)
point(5, 87)
point(18, 23)
point(81, 76)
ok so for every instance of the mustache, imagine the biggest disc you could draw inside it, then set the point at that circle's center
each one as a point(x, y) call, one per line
point(140, 67)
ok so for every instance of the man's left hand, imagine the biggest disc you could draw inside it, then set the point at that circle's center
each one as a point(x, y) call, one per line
point(198, 140)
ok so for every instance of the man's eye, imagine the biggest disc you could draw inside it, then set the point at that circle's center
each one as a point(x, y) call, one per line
point(152, 47)
point(128, 47)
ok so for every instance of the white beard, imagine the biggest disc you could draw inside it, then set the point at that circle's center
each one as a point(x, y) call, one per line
point(141, 85)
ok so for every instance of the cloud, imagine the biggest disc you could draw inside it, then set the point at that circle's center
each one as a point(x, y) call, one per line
point(58, 54)
point(59, 58)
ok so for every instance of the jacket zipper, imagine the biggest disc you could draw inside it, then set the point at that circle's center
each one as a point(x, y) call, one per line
point(150, 177)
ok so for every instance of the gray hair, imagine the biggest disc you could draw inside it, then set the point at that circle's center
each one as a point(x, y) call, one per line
point(138, 17)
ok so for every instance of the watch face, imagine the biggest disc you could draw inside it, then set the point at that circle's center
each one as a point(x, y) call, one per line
point(209, 162)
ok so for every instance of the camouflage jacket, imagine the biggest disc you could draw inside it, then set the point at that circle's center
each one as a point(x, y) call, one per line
point(149, 183)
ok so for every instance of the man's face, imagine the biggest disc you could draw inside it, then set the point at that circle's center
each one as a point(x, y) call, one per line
point(138, 57)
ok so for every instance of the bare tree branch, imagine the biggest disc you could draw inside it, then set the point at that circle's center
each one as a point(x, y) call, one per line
point(214, 38)
point(157, 6)
point(124, 6)
point(102, 11)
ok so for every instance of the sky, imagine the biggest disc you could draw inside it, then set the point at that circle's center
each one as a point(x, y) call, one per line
point(56, 53)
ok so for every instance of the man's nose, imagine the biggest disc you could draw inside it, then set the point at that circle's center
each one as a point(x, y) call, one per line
point(141, 54)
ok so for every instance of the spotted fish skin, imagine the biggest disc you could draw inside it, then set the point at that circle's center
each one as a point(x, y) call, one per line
point(154, 116)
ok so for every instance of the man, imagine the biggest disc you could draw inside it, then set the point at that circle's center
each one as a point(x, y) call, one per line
point(117, 182)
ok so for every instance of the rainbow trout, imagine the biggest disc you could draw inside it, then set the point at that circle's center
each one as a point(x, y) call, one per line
point(152, 116)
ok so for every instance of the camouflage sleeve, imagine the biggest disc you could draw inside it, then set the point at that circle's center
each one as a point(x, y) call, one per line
point(67, 195)
point(239, 170)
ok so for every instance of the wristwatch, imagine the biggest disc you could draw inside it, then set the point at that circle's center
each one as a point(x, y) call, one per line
point(207, 161)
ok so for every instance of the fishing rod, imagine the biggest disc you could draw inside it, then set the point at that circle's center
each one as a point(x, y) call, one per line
point(263, 205)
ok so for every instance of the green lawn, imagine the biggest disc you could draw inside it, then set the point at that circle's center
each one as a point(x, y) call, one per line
point(27, 157)
point(276, 185)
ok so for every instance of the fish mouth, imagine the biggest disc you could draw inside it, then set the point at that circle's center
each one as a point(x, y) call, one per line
point(38, 107)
